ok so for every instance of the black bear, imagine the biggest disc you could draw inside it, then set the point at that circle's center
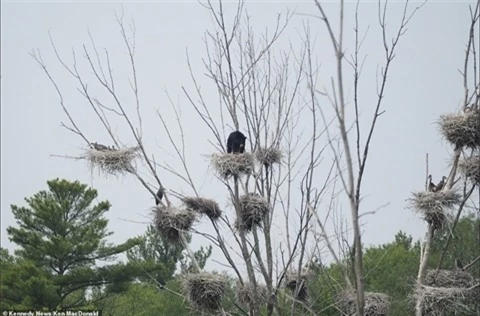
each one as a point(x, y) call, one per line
point(236, 143)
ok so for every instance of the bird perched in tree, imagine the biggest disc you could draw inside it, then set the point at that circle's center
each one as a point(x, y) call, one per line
point(469, 108)
point(99, 146)
point(458, 264)
point(159, 196)
point(236, 143)
point(441, 184)
point(431, 186)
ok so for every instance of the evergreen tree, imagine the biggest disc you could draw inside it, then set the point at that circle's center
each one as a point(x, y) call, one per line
point(154, 251)
point(61, 237)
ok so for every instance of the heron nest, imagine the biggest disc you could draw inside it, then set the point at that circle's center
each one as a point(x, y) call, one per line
point(447, 290)
point(170, 222)
point(203, 206)
point(204, 290)
point(112, 161)
point(253, 208)
point(228, 165)
point(462, 130)
point(449, 278)
point(291, 281)
point(471, 168)
point(438, 300)
point(269, 156)
point(432, 205)
point(244, 294)
point(426, 201)
point(376, 304)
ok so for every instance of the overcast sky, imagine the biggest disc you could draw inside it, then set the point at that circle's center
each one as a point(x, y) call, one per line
point(424, 83)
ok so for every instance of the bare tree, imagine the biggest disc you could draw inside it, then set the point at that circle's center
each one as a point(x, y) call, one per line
point(351, 160)
point(466, 142)
point(265, 93)
point(261, 91)
point(263, 96)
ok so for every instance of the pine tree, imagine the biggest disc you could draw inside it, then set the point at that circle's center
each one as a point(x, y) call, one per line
point(61, 236)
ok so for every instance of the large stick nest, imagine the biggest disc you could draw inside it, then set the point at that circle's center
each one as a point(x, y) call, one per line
point(253, 209)
point(112, 161)
point(449, 278)
point(170, 222)
point(204, 290)
point(447, 290)
point(269, 156)
point(433, 205)
point(244, 294)
point(426, 201)
point(228, 165)
point(438, 300)
point(203, 206)
point(471, 168)
point(462, 130)
point(376, 304)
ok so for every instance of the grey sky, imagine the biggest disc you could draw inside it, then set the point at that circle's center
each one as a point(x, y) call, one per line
point(424, 83)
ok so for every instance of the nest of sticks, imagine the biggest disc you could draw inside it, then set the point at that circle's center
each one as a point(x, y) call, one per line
point(438, 300)
point(447, 290)
point(292, 281)
point(203, 206)
point(376, 304)
point(462, 129)
point(269, 156)
point(244, 294)
point(425, 201)
point(253, 209)
point(228, 165)
point(204, 290)
point(111, 160)
point(471, 168)
point(433, 205)
point(449, 278)
point(170, 222)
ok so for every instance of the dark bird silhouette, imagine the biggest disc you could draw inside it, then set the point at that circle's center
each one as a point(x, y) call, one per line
point(236, 143)
point(99, 146)
point(431, 186)
point(458, 264)
point(467, 109)
point(159, 196)
point(441, 184)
